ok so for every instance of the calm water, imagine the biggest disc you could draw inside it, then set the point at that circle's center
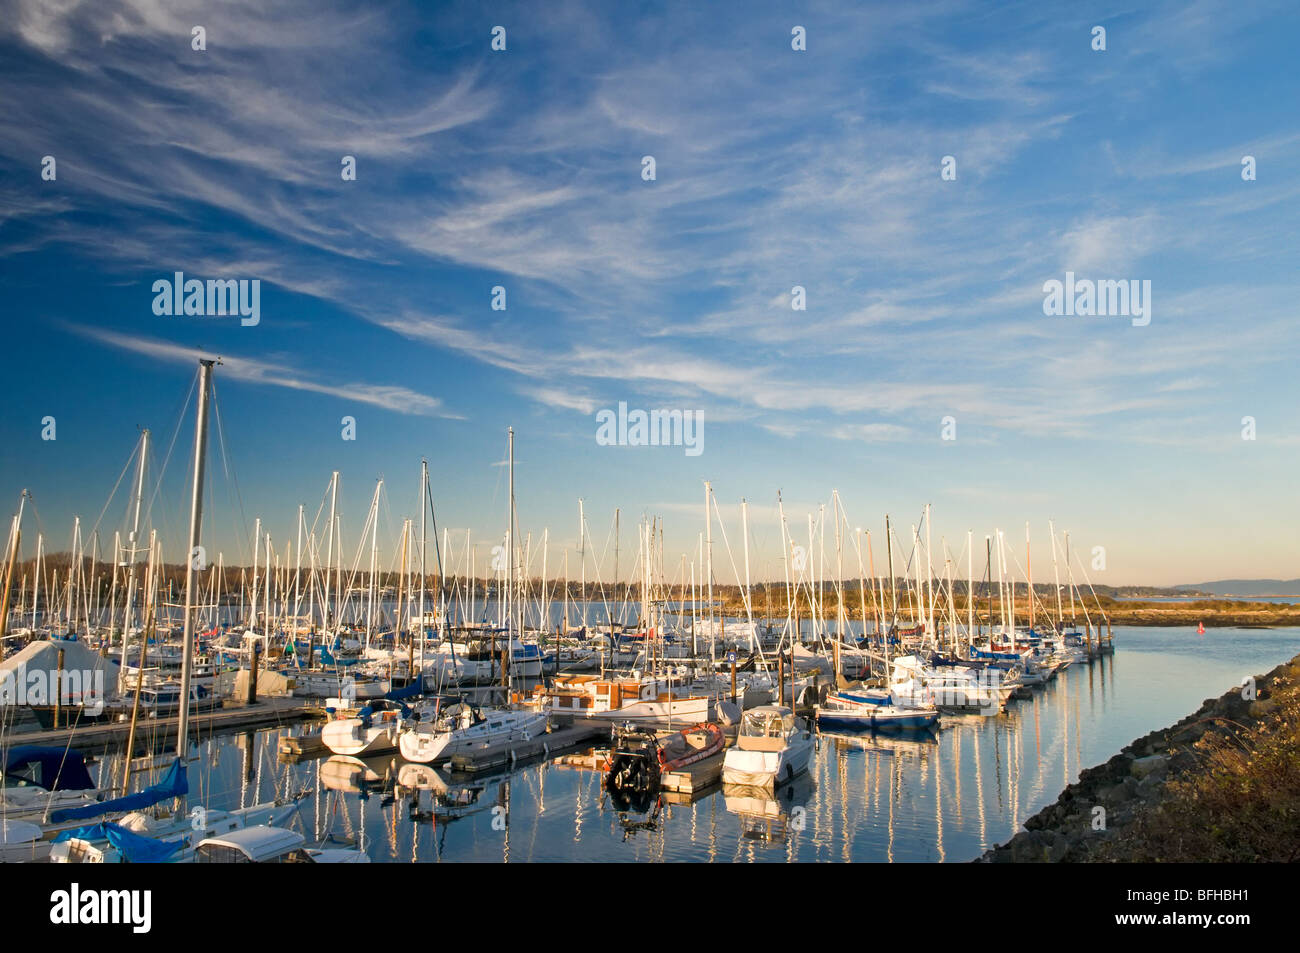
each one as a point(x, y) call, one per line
point(866, 798)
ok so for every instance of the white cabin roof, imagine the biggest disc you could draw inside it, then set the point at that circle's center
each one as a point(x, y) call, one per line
point(258, 843)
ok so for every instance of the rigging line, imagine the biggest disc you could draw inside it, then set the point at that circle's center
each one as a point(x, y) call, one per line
point(232, 480)
point(749, 610)
point(157, 488)
point(109, 501)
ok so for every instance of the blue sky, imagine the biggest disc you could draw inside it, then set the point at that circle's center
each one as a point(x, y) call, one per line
point(775, 168)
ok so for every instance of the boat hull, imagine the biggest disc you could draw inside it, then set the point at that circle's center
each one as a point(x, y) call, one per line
point(424, 746)
point(350, 736)
point(765, 769)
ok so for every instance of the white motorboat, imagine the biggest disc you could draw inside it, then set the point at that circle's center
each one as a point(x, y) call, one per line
point(771, 748)
point(263, 844)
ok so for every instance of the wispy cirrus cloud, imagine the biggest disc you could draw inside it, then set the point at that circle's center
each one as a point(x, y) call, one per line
point(396, 398)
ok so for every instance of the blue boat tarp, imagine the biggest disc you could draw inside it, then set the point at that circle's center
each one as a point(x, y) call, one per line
point(136, 848)
point(55, 769)
point(175, 783)
point(414, 689)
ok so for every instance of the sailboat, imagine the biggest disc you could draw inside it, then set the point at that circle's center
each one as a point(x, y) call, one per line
point(872, 709)
point(462, 728)
point(138, 832)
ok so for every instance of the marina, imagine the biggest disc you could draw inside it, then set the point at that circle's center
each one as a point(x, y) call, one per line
point(936, 796)
point(458, 693)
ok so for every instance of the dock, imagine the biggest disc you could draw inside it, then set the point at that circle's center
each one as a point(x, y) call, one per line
point(302, 747)
point(152, 732)
point(695, 777)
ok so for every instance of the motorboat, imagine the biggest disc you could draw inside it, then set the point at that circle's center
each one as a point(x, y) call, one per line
point(771, 748)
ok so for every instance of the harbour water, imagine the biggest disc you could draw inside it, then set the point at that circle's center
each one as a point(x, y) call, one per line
point(868, 798)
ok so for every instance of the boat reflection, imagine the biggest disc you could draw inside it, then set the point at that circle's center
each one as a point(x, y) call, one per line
point(345, 774)
point(769, 817)
point(891, 742)
point(435, 794)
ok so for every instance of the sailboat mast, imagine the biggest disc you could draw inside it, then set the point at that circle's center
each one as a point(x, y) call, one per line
point(424, 551)
point(374, 558)
point(582, 558)
point(297, 571)
point(1029, 573)
point(893, 582)
point(1070, 571)
point(988, 589)
point(132, 540)
point(194, 553)
point(708, 567)
point(929, 573)
point(1056, 575)
point(15, 537)
point(329, 557)
point(970, 589)
point(510, 556)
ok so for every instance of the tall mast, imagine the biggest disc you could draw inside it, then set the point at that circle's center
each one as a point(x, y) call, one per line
point(510, 530)
point(708, 567)
point(744, 529)
point(374, 558)
point(257, 553)
point(970, 588)
point(893, 583)
point(329, 557)
point(424, 548)
point(988, 590)
point(266, 597)
point(15, 536)
point(582, 557)
point(1070, 572)
point(1011, 589)
point(196, 525)
point(929, 573)
point(1029, 571)
point(131, 540)
point(297, 571)
point(507, 651)
point(1002, 595)
point(1056, 575)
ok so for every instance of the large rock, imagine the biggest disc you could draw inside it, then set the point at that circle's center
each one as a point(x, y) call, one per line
point(1156, 764)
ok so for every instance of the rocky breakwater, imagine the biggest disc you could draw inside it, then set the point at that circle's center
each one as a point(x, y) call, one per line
point(1223, 784)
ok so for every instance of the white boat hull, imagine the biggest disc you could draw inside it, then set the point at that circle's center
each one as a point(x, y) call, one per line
point(425, 745)
point(349, 736)
point(764, 769)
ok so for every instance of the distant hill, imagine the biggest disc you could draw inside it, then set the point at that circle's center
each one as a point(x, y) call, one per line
point(1248, 587)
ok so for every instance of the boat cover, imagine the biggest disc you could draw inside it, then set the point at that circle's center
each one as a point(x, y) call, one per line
point(175, 783)
point(136, 848)
point(55, 769)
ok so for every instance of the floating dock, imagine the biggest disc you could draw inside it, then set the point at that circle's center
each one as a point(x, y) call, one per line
point(102, 736)
point(695, 777)
point(302, 747)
